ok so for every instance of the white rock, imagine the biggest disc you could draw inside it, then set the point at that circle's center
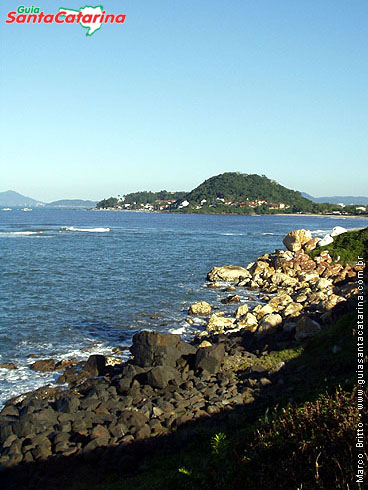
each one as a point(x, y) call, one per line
point(326, 240)
point(338, 230)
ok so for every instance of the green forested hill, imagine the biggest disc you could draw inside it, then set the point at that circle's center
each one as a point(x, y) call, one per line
point(236, 187)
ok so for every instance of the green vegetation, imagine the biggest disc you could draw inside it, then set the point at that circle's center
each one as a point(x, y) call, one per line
point(148, 197)
point(347, 247)
point(111, 202)
point(300, 436)
point(238, 188)
point(228, 193)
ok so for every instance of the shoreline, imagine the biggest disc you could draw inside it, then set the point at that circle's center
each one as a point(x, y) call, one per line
point(309, 215)
point(300, 298)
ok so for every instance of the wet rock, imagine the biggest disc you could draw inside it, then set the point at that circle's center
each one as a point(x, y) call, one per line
point(200, 308)
point(65, 363)
point(43, 365)
point(230, 273)
point(233, 298)
point(8, 365)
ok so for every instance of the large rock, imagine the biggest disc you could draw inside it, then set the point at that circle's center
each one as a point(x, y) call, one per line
point(241, 311)
point(156, 349)
point(248, 322)
point(338, 230)
point(269, 324)
point(280, 301)
point(210, 358)
point(295, 240)
point(283, 279)
point(305, 328)
point(293, 309)
point(95, 365)
point(159, 376)
point(230, 273)
point(43, 365)
point(200, 308)
point(219, 323)
point(326, 240)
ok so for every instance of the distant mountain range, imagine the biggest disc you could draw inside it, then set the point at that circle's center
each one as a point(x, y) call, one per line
point(13, 199)
point(75, 203)
point(338, 199)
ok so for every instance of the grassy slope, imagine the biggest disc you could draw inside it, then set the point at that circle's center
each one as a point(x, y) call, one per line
point(347, 246)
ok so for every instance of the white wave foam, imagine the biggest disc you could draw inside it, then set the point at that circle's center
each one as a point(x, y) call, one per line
point(267, 233)
point(90, 230)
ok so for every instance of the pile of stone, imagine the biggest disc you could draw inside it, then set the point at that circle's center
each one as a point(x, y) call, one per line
point(166, 383)
point(298, 292)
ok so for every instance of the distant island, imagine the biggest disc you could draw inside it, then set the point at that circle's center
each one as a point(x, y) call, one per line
point(231, 193)
point(14, 199)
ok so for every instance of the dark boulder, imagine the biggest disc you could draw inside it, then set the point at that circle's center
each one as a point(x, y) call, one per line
point(67, 404)
point(95, 365)
point(160, 376)
point(210, 358)
point(156, 349)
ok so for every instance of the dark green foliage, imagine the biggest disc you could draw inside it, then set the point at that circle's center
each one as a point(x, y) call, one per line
point(348, 246)
point(148, 197)
point(111, 202)
point(308, 446)
point(238, 187)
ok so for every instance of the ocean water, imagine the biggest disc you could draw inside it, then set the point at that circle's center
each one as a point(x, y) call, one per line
point(72, 280)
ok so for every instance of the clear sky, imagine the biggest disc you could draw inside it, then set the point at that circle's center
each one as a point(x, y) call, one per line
point(185, 90)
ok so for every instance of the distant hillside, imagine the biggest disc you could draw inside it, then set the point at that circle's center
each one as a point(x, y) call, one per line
point(339, 199)
point(14, 199)
point(238, 189)
point(72, 203)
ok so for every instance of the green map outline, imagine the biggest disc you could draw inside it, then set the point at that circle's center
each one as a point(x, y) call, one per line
point(80, 8)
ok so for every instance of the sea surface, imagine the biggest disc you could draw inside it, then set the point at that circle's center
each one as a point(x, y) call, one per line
point(76, 282)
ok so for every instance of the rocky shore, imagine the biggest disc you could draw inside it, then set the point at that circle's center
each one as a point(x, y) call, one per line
point(168, 383)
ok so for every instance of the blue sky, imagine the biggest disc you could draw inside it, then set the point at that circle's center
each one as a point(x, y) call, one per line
point(185, 90)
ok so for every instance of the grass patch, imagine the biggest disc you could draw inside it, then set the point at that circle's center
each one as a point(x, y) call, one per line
point(348, 246)
point(271, 359)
